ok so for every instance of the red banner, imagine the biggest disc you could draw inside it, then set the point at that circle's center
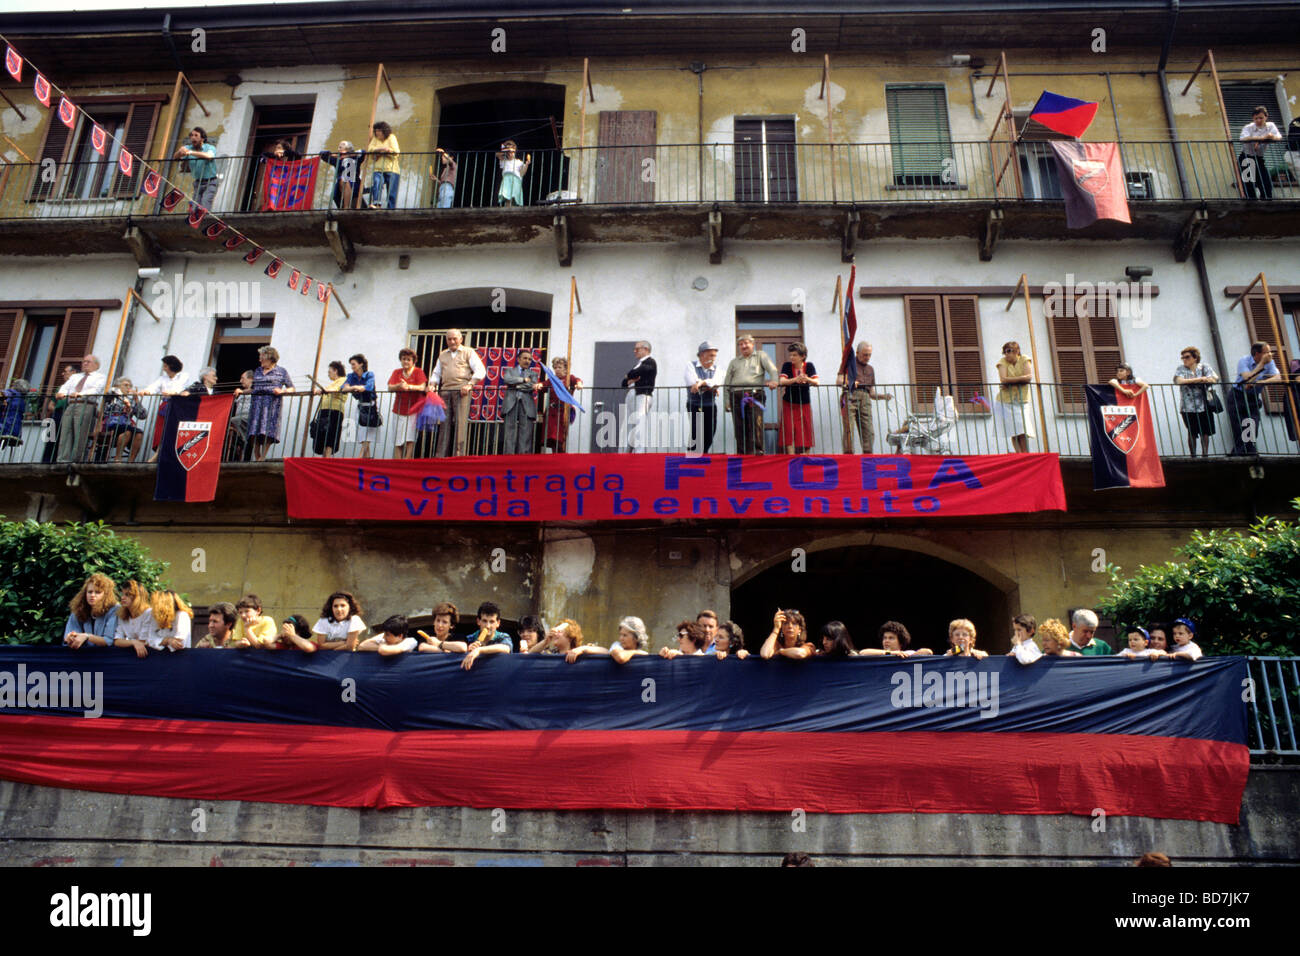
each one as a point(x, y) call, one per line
point(289, 184)
point(641, 487)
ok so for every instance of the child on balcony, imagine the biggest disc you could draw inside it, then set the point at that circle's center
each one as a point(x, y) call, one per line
point(391, 640)
point(1185, 649)
point(511, 192)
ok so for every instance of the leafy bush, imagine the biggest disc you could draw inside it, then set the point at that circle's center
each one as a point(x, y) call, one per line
point(1241, 588)
point(42, 566)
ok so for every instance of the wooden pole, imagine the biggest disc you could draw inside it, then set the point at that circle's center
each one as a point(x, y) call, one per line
point(167, 130)
point(1282, 363)
point(830, 120)
point(568, 354)
point(1227, 130)
point(1033, 349)
point(582, 129)
point(315, 373)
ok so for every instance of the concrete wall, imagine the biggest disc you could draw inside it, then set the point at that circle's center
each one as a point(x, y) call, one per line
point(42, 826)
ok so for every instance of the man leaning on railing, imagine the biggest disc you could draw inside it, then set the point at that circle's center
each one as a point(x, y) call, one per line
point(201, 157)
point(83, 393)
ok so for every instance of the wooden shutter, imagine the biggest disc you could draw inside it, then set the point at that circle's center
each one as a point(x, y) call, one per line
point(918, 133)
point(1102, 331)
point(965, 350)
point(1086, 347)
point(625, 140)
point(749, 160)
point(1261, 330)
point(77, 337)
point(926, 346)
point(140, 122)
point(57, 137)
point(1068, 351)
point(10, 323)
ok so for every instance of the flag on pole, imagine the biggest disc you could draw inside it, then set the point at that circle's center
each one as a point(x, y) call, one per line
point(848, 324)
point(41, 88)
point(1092, 182)
point(1123, 440)
point(14, 64)
point(67, 112)
point(1063, 114)
point(125, 162)
point(561, 392)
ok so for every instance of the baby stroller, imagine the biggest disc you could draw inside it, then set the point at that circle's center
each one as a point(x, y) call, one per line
point(927, 433)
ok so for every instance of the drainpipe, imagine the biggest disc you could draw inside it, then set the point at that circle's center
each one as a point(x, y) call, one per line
point(1168, 103)
point(698, 69)
point(1207, 296)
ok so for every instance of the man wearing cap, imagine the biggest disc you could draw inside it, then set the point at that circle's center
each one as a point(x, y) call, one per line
point(859, 382)
point(701, 399)
point(747, 374)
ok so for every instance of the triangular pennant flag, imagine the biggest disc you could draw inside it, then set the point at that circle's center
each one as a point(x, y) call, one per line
point(234, 242)
point(294, 277)
point(254, 254)
point(215, 229)
point(197, 213)
point(273, 269)
point(306, 286)
point(42, 90)
point(172, 199)
point(151, 182)
point(14, 64)
point(322, 291)
point(124, 162)
point(98, 138)
point(67, 112)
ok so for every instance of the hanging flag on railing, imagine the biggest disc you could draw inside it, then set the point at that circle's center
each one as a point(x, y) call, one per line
point(1123, 440)
point(289, 184)
point(1092, 182)
point(189, 461)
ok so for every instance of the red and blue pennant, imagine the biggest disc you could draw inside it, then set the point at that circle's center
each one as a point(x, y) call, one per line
point(868, 735)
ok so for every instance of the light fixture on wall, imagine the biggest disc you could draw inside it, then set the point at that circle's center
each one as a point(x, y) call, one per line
point(232, 81)
point(1138, 273)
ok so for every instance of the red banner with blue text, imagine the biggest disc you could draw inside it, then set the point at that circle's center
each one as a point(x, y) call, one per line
point(649, 487)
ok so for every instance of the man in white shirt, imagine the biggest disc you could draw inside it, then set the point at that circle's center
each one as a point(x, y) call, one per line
point(83, 392)
point(170, 382)
point(455, 374)
point(703, 381)
point(640, 385)
point(1255, 137)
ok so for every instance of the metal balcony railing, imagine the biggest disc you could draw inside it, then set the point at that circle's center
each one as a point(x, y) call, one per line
point(1274, 706)
point(686, 173)
point(612, 425)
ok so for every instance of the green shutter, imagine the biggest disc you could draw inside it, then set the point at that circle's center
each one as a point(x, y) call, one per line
point(918, 133)
point(1240, 100)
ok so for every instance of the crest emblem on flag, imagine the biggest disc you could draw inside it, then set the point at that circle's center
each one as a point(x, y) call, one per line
point(125, 162)
point(151, 183)
point(273, 269)
point(42, 90)
point(98, 138)
point(1120, 423)
point(197, 213)
point(475, 409)
point(172, 199)
point(254, 254)
point(322, 291)
point(537, 356)
point(306, 285)
point(493, 372)
point(67, 112)
point(14, 64)
point(294, 277)
point(234, 242)
point(215, 229)
point(192, 442)
point(1091, 176)
point(508, 355)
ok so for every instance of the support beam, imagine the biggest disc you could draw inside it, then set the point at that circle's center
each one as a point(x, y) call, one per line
point(715, 236)
point(344, 253)
point(143, 247)
point(989, 233)
point(563, 240)
point(848, 242)
point(1190, 236)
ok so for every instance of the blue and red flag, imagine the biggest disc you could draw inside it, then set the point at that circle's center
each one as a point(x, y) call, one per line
point(289, 184)
point(189, 457)
point(1123, 440)
point(1064, 114)
point(848, 326)
point(862, 735)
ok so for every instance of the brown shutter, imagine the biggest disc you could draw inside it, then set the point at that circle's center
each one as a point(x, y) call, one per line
point(55, 147)
point(965, 350)
point(1261, 330)
point(77, 338)
point(1068, 352)
point(619, 161)
point(1104, 348)
point(10, 322)
point(926, 346)
point(139, 130)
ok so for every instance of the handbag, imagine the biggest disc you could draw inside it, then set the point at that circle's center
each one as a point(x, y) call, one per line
point(312, 427)
point(368, 416)
point(1212, 401)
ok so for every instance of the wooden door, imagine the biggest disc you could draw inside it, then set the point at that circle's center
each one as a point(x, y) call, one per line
point(625, 170)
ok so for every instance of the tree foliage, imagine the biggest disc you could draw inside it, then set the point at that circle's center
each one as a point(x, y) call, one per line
point(1242, 588)
point(42, 566)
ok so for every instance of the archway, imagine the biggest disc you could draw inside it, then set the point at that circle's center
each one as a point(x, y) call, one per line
point(866, 585)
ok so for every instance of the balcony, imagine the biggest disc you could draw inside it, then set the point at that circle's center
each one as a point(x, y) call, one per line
point(851, 192)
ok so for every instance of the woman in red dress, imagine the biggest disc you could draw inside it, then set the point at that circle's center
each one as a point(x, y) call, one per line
point(796, 408)
point(558, 413)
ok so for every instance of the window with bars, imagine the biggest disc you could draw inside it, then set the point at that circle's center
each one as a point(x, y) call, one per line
point(919, 139)
point(1085, 347)
point(945, 349)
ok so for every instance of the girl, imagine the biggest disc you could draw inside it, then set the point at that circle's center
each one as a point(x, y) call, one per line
point(173, 621)
point(92, 619)
point(559, 415)
point(511, 192)
point(1011, 404)
point(445, 617)
point(135, 620)
point(531, 630)
point(1125, 382)
point(788, 638)
point(836, 642)
point(383, 150)
point(340, 625)
point(294, 632)
point(361, 383)
point(796, 401)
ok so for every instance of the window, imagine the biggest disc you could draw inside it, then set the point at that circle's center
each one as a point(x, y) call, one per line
point(81, 172)
point(234, 346)
point(944, 349)
point(1037, 160)
point(1241, 101)
point(1086, 348)
point(1260, 329)
point(765, 160)
point(35, 343)
point(918, 134)
point(774, 331)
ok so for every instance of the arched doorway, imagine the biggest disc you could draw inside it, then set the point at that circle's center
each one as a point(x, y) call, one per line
point(866, 585)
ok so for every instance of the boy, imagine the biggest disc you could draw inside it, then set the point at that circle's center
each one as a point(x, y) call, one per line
point(486, 640)
point(391, 640)
point(253, 629)
point(1139, 643)
point(1185, 648)
point(221, 621)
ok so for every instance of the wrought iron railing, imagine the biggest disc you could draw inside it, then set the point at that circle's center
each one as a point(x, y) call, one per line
point(1274, 699)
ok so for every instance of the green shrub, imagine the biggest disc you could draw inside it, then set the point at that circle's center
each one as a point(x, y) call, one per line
point(42, 566)
point(1241, 588)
